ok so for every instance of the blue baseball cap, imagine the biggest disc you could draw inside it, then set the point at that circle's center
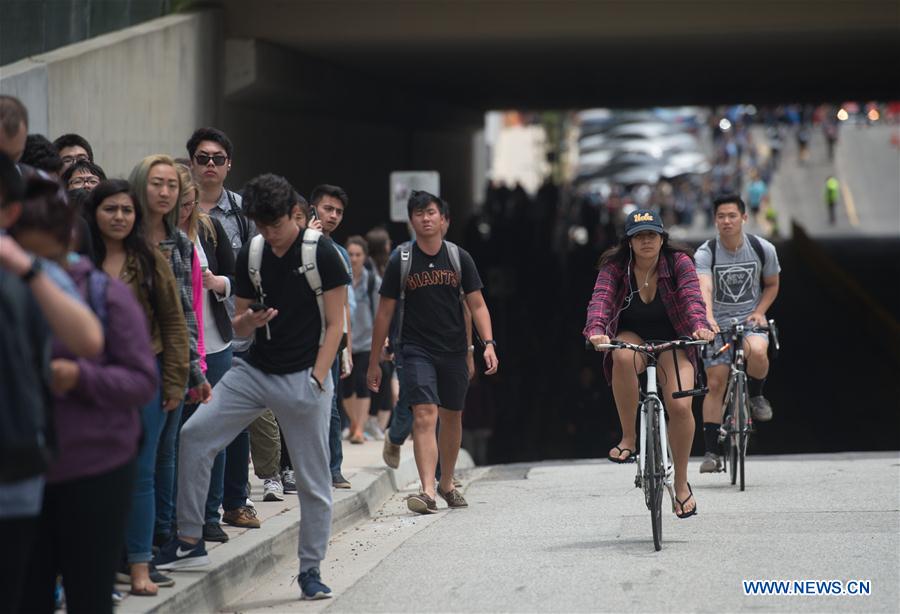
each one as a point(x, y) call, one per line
point(641, 220)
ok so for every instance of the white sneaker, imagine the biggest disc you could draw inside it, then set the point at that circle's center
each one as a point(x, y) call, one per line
point(373, 430)
point(249, 503)
point(345, 434)
point(272, 490)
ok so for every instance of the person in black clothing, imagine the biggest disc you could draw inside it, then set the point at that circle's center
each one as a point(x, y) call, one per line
point(433, 343)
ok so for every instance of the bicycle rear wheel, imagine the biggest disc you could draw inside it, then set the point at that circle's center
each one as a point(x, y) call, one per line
point(654, 474)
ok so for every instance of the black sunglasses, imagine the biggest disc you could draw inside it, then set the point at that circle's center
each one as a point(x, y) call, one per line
point(218, 159)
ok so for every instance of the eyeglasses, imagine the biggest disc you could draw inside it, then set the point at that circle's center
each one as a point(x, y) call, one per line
point(218, 159)
point(74, 159)
point(83, 182)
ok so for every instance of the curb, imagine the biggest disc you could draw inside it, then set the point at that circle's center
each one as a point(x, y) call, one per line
point(258, 552)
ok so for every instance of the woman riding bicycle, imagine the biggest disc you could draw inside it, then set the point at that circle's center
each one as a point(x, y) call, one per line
point(647, 289)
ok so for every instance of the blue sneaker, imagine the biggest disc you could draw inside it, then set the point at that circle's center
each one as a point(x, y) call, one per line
point(311, 586)
point(179, 554)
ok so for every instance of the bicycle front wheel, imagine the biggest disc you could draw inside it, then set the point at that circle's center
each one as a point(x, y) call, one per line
point(654, 474)
point(743, 435)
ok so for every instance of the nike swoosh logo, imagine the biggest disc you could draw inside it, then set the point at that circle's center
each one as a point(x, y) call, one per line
point(182, 553)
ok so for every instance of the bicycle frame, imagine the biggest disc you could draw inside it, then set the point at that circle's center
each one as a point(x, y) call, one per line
point(652, 394)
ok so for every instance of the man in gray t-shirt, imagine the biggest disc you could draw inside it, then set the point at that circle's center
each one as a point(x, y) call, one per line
point(740, 285)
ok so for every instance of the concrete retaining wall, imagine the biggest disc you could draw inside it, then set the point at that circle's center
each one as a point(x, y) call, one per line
point(131, 93)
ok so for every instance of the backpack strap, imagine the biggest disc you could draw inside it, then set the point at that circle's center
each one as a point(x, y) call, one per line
point(712, 245)
point(243, 226)
point(756, 244)
point(254, 265)
point(405, 250)
point(310, 270)
point(370, 290)
point(456, 263)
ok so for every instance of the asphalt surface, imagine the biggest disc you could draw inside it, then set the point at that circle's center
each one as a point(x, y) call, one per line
point(575, 537)
point(868, 168)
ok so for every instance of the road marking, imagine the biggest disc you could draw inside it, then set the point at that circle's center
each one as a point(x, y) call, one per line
point(849, 204)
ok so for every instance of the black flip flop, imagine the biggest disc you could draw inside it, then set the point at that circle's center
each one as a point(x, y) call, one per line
point(622, 461)
point(681, 503)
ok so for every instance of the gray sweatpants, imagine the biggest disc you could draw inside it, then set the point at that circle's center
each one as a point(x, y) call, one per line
point(303, 412)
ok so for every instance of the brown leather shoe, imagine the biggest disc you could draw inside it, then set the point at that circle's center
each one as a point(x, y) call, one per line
point(421, 504)
point(453, 498)
point(391, 453)
point(243, 517)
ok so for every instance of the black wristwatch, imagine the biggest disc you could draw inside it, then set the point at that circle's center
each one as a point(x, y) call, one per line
point(32, 271)
point(490, 342)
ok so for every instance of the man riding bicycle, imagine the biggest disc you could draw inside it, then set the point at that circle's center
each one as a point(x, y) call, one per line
point(739, 277)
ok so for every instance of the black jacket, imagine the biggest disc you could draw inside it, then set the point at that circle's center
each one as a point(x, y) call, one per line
point(221, 262)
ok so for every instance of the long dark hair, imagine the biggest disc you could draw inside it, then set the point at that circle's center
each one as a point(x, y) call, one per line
point(135, 243)
point(620, 253)
point(379, 240)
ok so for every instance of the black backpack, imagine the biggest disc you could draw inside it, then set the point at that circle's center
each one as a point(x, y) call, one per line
point(26, 402)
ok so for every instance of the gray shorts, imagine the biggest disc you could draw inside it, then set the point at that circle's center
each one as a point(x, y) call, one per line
point(725, 357)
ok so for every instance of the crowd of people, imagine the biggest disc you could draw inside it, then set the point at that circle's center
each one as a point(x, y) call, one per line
point(163, 330)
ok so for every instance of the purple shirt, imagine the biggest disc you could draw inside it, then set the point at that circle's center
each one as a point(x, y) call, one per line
point(97, 423)
point(679, 293)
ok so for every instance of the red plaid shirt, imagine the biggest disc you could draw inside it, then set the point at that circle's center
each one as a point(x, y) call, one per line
point(680, 296)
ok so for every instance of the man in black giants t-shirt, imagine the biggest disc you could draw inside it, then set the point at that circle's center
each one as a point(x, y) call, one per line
point(287, 370)
point(433, 345)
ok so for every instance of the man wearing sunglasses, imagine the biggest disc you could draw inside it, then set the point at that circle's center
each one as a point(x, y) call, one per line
point(210, 152)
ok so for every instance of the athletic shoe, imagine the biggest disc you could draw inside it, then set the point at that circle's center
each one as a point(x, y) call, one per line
point(288, 482)
point(212, 532)
point(712, 463)
point(421, 504)
point(339, 481)
point(249, 502)
point(272, 490)
point(179, 554)
point(761, 408)
point(243, 517)
point(391, 453)
point(159, 579)
point(373, 430)
point(311, 585)
point(116, 599)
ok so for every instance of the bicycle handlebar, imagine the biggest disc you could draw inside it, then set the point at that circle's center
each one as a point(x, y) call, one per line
point(646, 348)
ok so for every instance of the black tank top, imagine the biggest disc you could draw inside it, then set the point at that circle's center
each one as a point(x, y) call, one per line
point(647, 320)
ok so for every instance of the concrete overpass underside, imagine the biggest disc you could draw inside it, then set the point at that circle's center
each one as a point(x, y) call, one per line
point(355, 88)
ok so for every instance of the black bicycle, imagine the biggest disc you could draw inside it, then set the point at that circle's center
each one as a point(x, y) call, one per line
point(737, 421)
point(654, 457)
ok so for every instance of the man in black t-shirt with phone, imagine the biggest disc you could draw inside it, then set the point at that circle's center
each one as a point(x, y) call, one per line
point(427, 277)
point(288, 370)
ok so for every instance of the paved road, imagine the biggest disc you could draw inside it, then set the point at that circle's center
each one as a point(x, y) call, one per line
point(868, 167)
point(574, 537)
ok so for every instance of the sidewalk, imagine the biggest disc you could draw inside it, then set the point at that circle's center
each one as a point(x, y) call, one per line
point(252, 553)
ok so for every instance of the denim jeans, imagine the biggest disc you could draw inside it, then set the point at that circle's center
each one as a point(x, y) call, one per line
point(217, 365)
point(237, 470)
point(334, 431)
point(166, 463)
point(401, 417)
point(141, 516)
